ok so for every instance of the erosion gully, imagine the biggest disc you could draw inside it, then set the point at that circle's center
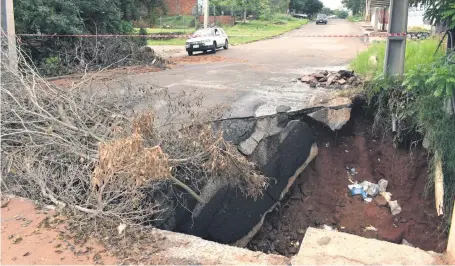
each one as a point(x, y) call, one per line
point(319, 196)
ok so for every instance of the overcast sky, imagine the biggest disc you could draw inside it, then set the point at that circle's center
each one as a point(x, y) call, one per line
point(332, 4)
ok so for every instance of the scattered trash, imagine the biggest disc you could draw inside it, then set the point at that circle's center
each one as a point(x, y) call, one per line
point(342, 227)
point(383, 185)
point(346, 151)
point(357, 189)
point(394, 207)
point(387, 196)
point(379, 159)
point(327, 227)
point(26, 254)
point(121, 228)
point(370, 188)
point(327, 145)
point(370, 228)
point(352, 171)
point(406, 243)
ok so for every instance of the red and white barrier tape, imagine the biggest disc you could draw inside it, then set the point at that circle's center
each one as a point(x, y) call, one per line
point(169, 36)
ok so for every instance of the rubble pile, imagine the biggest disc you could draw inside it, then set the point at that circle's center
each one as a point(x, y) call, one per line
point(342, 79)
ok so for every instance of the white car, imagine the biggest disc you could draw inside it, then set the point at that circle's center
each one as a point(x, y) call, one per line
point(208, 39)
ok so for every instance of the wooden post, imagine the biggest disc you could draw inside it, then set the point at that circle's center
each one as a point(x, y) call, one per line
point(8, 32)
point(451, 241)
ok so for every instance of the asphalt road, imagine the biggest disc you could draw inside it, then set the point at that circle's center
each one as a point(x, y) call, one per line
point(255, 78)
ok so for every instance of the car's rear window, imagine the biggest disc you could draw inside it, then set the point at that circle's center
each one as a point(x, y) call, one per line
point(322, 16)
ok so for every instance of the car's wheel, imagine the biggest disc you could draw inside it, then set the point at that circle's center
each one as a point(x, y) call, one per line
point(226, 45)
point(190, 53)
point(214, 48)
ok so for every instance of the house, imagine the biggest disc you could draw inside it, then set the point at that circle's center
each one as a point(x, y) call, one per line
point(180, 7)
point(377, 13)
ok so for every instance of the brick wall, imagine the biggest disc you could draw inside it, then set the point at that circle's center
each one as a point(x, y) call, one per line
point(180, 7)
point(223, 20)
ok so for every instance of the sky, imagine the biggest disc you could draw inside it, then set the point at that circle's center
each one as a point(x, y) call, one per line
point(332, 4)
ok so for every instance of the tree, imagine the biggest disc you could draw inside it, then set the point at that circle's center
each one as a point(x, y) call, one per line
point(438, 12)
point(77, 16)
point(327, 11)
point(356, 6)
point(341, 13)
point(309, 7)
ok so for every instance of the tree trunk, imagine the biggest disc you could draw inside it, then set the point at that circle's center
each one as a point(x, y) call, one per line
point(244, 12)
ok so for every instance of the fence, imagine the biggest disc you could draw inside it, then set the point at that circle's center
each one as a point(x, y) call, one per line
point(222, 20)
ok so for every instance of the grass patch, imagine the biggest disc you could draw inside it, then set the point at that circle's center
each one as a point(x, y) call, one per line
point(355, 18)
point(417, 53)
point(246, 32)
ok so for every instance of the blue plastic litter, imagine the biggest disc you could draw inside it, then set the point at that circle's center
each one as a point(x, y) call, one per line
point(358, 191)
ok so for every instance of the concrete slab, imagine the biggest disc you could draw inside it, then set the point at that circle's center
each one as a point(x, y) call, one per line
point(330, 247)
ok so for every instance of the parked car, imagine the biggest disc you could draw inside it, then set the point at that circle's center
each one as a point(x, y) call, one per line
point(321, 19)
point(332, 16)
point(301, 16)
point(208, 39)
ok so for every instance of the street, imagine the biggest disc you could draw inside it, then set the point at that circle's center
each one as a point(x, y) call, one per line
point(257, 77)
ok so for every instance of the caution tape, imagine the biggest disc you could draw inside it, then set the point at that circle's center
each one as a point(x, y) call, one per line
point(173, 36)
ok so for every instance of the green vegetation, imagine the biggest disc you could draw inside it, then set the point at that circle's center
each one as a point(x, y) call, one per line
point(81, 16)
point(309, 7)
point(249, 32)
point(356, 6)
point(341, 13)
point(417, 29)
point(417, 53)
point(355, 18)
point(176, 22)
point(419, 100)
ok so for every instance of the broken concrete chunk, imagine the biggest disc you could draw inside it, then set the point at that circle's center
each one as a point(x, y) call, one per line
point(330, 79)
point(306, 79)
point(313, 83)
point(257, 135)
point(319, 76)
point(248, 146)
point(335, 119)
point(341, 81)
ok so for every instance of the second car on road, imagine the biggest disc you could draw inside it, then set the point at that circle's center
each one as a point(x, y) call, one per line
point(208, 39)
point(322, 19)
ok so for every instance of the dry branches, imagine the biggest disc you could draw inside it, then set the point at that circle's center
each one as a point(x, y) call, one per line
point(87, 151)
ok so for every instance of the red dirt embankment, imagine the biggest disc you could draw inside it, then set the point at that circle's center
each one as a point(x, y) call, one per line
point(320, 196)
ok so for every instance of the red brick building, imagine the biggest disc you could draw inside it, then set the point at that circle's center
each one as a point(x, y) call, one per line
point(181, 7)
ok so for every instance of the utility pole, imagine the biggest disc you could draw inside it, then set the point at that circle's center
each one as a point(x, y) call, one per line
point(396, 45)
point(206, 14)
point(8, 33)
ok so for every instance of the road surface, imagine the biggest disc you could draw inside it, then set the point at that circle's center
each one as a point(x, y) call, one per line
point(255, 78)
